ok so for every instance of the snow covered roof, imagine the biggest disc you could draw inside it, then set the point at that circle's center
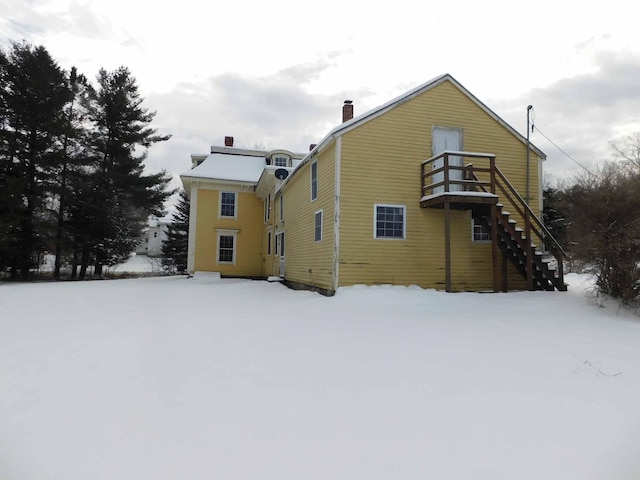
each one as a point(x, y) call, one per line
point(226, 166)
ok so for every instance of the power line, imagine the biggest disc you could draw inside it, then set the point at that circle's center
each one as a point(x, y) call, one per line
point(565, 153)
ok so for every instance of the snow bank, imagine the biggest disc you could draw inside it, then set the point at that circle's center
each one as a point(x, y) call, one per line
point(170, 377)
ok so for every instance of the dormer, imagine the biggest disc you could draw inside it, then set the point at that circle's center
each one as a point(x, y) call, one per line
point(279, 158)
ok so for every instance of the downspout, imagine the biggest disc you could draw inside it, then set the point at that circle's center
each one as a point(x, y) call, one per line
point(336, 217)
point(191, 241)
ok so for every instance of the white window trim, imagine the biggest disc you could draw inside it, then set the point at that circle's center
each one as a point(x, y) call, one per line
point(235, 205)
point(473, 234)
point(315, 162)
point(229, 233)
point(321, 212)
point(375, 221)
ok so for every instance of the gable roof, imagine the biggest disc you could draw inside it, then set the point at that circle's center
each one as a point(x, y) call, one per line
point(405, 97)
point(377, 111)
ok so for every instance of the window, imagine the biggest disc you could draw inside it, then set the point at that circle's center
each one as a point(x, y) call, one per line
point(226, 247)
point(280, 244)
point(267, 208)
point(280, 161)
point(228, 204)
point(317, 227)
point(389, 221)
point(281, 208)
point(269, 243)
point(314, 180)
point(480, 229)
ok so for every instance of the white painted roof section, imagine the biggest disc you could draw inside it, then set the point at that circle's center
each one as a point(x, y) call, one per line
point(224, 166)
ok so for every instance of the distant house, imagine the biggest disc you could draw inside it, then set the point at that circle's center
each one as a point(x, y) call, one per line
point(428, 189)
point(152, 237)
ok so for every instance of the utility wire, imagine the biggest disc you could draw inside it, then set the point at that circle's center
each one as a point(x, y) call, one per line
point(565, 153)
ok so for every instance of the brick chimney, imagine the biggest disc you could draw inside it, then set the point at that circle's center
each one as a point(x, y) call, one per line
point(347, 110)
point(228, 141)
point(312, 146)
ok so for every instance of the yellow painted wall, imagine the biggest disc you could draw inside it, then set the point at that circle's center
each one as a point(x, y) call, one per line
point(381, 164)
point(249, 237)
point(307, 261)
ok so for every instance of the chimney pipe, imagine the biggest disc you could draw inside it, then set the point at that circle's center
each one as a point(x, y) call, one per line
point(228, 141)
point(347, 110)
point(312, 146)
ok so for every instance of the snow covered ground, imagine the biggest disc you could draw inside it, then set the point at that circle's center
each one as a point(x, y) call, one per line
point(176, 378)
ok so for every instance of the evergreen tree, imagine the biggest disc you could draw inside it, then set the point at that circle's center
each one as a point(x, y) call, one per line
point(174, 248)
point(123, 195)
point(34, 92)
point(74, 157)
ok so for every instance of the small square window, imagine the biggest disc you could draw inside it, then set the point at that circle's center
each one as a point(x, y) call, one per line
point(389, 221)
point(480, 229)
point(280, 162)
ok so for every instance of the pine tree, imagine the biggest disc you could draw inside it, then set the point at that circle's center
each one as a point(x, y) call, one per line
point(175, 247)
point(124, 196)
point(34, 92)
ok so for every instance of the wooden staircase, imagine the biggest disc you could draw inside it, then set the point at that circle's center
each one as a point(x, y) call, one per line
point(530, 248)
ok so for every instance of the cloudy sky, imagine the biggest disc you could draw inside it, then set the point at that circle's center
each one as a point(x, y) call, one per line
point(274, 74)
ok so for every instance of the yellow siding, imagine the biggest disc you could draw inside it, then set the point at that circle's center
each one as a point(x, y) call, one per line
point(381, 164)
point(249, 234)
point(307, 261)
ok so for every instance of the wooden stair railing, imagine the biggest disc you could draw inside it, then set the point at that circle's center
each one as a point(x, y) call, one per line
point(519, 245)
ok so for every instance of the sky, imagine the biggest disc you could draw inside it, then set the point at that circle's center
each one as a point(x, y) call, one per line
point(275, 74)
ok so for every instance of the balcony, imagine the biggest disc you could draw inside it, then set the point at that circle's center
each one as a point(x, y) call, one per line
point(449, 179)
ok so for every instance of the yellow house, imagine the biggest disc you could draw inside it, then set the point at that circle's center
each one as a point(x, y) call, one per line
point(432, 189)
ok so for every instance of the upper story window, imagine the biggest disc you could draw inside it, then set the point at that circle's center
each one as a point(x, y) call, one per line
point(267, 208)
point(281, 208)
point(314, 180)
point(228, 204)
point(389, 221)
point(281, 161)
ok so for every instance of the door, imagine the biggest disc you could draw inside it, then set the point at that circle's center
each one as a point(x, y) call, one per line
point(280, 251)
point(442, 139)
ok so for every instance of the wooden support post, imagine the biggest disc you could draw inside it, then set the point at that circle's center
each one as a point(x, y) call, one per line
point(447, 246)
point(446, 173)
point(494, 248)
point(529, 249)
point(505, 276)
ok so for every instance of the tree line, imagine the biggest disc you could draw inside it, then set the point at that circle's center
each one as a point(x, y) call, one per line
point(72, 180)
point(596, 217)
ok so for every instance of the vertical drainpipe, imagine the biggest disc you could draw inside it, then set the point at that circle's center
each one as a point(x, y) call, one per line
point(191, 241)
point(336, 217)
